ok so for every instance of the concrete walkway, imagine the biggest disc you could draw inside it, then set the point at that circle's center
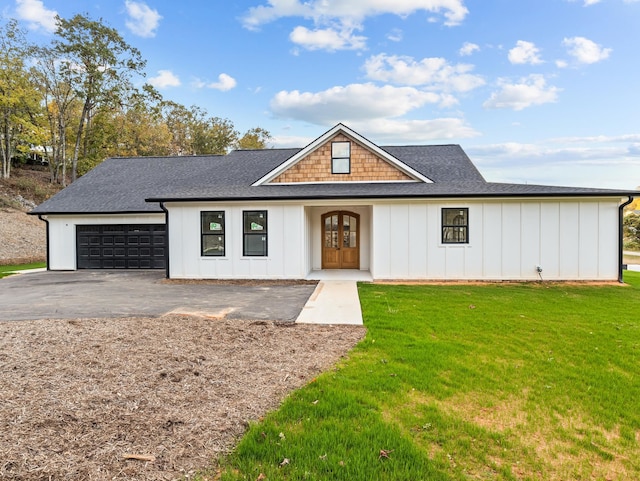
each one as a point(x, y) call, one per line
point(333, 302)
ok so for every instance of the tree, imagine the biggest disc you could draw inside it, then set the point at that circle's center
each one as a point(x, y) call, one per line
point(631, 227)
point(99, 64)
point(62, 106)
point(194, 132)
point(256, 138)
point(134, 129)
point(178, 119)
point(211, 135)
point(19, 107)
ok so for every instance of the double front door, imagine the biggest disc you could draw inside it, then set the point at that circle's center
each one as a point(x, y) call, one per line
point(340, 240)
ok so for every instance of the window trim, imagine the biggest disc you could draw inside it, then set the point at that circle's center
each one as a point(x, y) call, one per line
point(335, 158)
point(264, 233)
point(462, 227)
point(207, 234)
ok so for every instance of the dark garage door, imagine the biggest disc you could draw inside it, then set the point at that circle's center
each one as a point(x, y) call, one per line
point(124, 246)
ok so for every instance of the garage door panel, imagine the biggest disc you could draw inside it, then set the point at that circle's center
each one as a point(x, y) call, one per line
point(127, 246)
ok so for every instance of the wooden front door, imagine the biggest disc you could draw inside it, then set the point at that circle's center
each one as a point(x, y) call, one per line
point(341, 240)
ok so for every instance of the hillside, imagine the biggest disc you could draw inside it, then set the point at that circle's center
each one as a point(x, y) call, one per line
point(23, 237)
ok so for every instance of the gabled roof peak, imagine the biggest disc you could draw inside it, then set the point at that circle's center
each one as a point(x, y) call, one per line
point(340, 128)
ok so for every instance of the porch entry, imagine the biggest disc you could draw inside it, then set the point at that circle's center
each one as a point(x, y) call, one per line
point(340, 240)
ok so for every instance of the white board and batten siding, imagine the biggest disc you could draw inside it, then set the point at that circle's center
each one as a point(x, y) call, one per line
point(570, 239)
point(286, 236)
point(508, 239)
point(62, 234)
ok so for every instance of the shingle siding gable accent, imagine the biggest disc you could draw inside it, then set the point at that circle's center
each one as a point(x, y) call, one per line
point(366, 166)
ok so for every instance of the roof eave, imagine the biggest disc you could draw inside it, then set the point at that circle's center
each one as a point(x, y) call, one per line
point(397, 196)
point(102, 212)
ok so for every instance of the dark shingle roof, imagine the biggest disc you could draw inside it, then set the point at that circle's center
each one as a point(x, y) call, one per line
point(122, 185)
point(440, 163)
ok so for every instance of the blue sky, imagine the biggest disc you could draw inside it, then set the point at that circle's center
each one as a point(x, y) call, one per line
point(535, 91)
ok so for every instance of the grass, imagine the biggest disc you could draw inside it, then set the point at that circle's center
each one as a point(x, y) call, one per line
point(8, 270)
point(456, 382)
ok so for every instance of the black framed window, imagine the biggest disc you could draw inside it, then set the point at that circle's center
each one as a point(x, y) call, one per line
point(455, 225)
point(212, 233)
point(255, 233)
point(340, 157)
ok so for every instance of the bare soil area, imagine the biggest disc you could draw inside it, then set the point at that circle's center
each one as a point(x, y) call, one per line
point(146, 398)
point(23, 237)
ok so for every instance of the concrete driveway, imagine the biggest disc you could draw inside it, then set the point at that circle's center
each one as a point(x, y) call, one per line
point(68, 295)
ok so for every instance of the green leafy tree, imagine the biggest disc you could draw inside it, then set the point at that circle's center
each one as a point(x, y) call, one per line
point(631, 228)
point(100, 66)
point(256, 138)
point(194, 132)
point(19, 108)
point(62, 107)
point(211, 135)
point(134, 129)
point(178, 119)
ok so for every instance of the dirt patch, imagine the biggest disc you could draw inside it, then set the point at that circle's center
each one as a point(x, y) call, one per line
point(23, 237)
point(79, 396)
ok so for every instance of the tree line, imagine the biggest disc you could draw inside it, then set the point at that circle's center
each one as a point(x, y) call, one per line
point(74, 103)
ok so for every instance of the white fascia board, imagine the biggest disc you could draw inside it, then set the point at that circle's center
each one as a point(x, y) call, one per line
point(355, 136)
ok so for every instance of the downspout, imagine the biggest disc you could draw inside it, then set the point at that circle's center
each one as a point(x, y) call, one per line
point(166, 252)
point(621, 238)
point(46, 221)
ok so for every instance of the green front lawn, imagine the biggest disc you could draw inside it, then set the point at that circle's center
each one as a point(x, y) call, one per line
point(453, 382)
point(8, 270)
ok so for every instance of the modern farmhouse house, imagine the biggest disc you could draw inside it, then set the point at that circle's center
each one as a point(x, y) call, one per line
point(342, 202)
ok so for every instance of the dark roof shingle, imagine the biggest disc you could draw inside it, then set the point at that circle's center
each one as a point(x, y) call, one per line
point(123, 185)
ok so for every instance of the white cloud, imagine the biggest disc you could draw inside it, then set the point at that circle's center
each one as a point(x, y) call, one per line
point(453, 11)
point(468, 48)
point(336, 20)
point(414, 131)
point(327, 39)
point(434, 73)
point(36, 15)
point(395, 131)
point(588, 163)
point(600, 139)
point(585, 51)
point(290, 141)
point(588, 3)
point(525, 53)
point(225, 82)
point(529, 91)
point(349, 103)
point(164, 79)
point(143, 20)
point(395, 35)
point(370, 109)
